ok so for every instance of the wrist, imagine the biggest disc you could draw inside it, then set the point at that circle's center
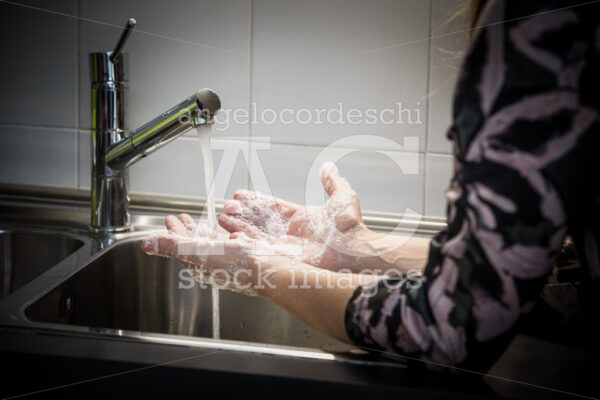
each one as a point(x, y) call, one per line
point(386, 253)
point(366, 244)
point(267, 274)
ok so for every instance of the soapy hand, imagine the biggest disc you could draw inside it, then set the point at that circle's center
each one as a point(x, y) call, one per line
point(332, 236)
point(183, 231)
point(229, 263)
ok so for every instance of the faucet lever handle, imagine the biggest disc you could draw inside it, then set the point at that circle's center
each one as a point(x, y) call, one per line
point(124, 36)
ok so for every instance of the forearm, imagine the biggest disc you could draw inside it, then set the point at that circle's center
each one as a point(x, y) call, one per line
point(390, 254)
point(407, 253)
point(316, 296)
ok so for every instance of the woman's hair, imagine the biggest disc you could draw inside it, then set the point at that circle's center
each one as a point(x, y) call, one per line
point(468, 12)
point(474, 8)
point(457, 26)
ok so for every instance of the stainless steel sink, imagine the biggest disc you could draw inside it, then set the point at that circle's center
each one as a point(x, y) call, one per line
point(125, 289)
point(24, 255)
point(67, 293)
point(128, 290)
point(252, 319)
point(103, 292)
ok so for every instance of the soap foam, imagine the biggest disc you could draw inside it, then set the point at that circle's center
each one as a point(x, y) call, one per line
point(261, 211)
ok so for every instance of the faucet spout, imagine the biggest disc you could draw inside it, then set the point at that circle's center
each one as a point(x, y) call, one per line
point(196, 110)
point(113, 150)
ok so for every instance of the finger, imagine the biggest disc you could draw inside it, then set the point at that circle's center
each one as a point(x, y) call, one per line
point(191, 251)
point(211, 252)
point(251, 208)
point(232, 207)
point(175, 225)
point(239, 235)
point(249, 200)
point(285, 208)
point(244, 195)
point(162, 245)
point(194, 229)
point(203, 231)
point(233, 224)
point(331, 179)
point(300, 225)
point(293, 240)
point(189, 224)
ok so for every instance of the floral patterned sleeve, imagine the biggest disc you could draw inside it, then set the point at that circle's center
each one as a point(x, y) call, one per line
point(525, 126)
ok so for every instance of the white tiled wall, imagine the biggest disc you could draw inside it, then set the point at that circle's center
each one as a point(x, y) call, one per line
point(317, 54)
point(39, 69)
point(257, 55)
point(38, 156)
point(368, 172)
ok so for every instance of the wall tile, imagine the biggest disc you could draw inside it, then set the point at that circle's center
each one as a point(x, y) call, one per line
point(439, 171)
point(39, 65)
point(312, 55)
point(447, 49)
point(379, 182)
point(213, 51)
point(177, 169)
point(84, 159)
point(38, 156)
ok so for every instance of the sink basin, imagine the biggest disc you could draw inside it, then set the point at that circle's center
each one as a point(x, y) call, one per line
point(126, 289)
point(252, 319)
point(25, 255)
point(129, 290)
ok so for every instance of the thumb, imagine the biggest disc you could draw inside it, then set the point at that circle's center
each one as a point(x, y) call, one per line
point(331, 179)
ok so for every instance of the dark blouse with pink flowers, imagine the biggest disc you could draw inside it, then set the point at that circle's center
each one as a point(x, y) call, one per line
point(526, 137)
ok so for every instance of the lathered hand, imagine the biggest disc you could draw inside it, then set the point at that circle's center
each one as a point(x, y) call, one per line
point(229, 263)
point(332, 236)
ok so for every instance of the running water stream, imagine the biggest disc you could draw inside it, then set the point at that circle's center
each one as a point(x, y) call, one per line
point(209, 209)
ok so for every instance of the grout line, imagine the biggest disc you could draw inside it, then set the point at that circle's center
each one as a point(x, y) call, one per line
point(77, 99)
point(258, 139)
point(437, 153)
point(194, 138)
point(311, 145)
point(427, 125)
point(40, 126)
point(250, 90)
point(226, 138)
point(321, 146)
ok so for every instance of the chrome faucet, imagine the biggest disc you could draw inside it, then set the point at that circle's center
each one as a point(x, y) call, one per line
point(113, 151)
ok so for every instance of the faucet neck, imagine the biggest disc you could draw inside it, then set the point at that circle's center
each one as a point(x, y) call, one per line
point(113, 151)
point(110, 201)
